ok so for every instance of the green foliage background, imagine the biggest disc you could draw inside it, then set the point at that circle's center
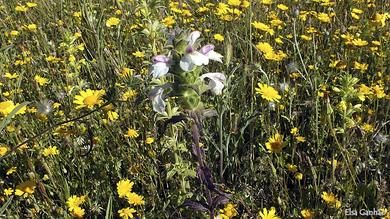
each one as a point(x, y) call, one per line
point(234, 140)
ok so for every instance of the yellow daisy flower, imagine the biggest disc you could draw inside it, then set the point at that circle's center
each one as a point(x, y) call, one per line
point(139, 54)
point(271, 214)
point(127, 213)
point(135, 199)
point(275, 143)
point(132, 133)
point(219, 37)
point(268, 93)
point(112, 21)
point(89, 98)
point(50, 151)
point(124, 187)
point(307, 213)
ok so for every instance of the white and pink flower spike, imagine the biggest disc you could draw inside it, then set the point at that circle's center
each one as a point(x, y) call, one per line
point(194, 58)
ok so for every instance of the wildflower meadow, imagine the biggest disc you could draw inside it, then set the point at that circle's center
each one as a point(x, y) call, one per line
point(212, 109)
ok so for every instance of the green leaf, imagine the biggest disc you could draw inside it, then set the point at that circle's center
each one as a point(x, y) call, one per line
point(189, 173)
point(329, 109)
point(109, 209)
point(171, 173)
point(5, 205)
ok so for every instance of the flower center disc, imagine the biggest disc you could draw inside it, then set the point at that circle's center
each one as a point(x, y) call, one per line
point(90, 100)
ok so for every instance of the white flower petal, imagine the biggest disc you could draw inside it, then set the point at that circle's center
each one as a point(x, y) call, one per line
point(216, 83)
point(214, 75)
point(186, 63)
point(214, 56)
point(161, 58)
point(198, 58)
point(158, 103)
point(216, 87)
point(193, 37)
point(159, 69)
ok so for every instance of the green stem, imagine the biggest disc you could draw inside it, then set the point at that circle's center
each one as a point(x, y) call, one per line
point(221, 168)
point(300, 57)
point(173, 134)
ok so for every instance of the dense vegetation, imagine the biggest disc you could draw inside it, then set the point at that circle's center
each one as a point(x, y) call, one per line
point(194, 109)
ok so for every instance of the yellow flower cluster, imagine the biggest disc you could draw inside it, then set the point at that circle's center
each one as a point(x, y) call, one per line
point(269, 53)
point(299, 51)
point(229, 211)
point(231, 10)
point(7, 107)
point(264, 27)
point(25, 189)
point(331, 199)
point(307, 214)
point(74, 203)
point(124, 189)
point(181, 9)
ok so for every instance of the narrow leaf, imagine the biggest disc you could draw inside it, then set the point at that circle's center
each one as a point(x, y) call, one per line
point(8, 118)
point(109, 209)
point(4, 207)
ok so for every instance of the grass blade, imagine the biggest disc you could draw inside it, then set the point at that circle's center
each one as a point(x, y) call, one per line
point(109, 209)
